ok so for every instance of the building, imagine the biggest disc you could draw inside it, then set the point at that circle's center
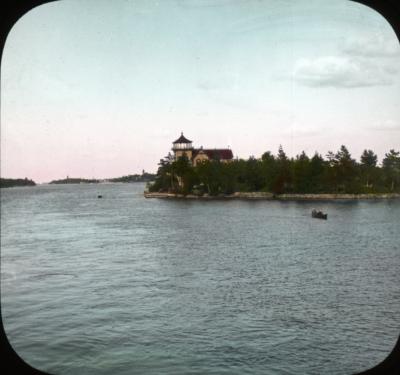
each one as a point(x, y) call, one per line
point(197, 155)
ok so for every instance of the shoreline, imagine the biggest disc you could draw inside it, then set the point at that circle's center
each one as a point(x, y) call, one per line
point(270, 196)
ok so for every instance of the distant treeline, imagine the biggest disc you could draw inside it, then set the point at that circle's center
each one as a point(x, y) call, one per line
point(11, 182)
point(144, 177)
point(336, 173)
point(75, 181)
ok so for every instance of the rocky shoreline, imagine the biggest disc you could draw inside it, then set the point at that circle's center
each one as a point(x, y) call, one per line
point(270, 196)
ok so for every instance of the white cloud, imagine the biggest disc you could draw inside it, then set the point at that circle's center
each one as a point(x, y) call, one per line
point(374, 46)
point(342, 72)
point(368, 61)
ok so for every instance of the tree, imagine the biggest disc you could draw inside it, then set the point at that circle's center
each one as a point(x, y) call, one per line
point(282, 155)
point(240, 167)
point(209, 174)
point(283, 176)
point(369, 158)
point(184, 173)
point(391, 169)
point(253, 174)
point(317, 168)
point(269, 170)
point(368, 166)
point(267, 157)
point(332, 161)
point(301, 173)
point(165, 179)
point(346, 170)
point(228, 177)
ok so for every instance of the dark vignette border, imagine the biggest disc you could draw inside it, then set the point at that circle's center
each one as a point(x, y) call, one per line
point(11, 11)
point(390, 10)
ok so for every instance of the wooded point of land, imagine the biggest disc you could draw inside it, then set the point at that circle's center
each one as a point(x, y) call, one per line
point(336, 173)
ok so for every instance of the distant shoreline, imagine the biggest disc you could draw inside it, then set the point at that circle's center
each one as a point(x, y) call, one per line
point(15, 182)
point(270, 196)
point(71, 183)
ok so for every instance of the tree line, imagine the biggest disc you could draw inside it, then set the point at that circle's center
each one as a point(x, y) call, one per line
point(336, 173)
point(11, 182)
point(74, 180)
point(144, 177)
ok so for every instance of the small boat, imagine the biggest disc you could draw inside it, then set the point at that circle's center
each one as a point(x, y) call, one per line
point(99, 196)
point(319, 214)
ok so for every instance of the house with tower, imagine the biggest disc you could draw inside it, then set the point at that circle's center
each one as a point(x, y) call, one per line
point(183, 146)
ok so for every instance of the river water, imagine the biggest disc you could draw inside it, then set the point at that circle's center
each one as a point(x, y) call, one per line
point(128, 285)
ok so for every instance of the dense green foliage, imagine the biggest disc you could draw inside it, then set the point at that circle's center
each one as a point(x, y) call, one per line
point(11, 182)
point(337, 173)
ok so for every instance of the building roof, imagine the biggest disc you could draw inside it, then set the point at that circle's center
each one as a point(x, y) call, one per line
point(215, 153)
point(182, 139)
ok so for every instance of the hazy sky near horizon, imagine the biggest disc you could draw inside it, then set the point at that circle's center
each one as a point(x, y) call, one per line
point(101, 88)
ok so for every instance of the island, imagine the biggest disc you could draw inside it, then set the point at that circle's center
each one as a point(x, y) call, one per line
point(13, 182)
point(70, 180)
point(194, 173)
point(144, 177)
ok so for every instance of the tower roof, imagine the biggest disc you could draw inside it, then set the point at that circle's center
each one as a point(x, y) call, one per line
point(182, 139)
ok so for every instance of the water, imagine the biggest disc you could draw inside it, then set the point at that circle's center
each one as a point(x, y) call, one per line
point(127, 285)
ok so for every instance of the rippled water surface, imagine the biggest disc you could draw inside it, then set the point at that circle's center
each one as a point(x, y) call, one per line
point(128, 285)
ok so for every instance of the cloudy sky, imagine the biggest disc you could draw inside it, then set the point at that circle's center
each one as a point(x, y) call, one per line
point(93, 88)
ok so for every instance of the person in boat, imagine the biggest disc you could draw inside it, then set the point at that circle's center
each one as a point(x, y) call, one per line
point(319, 214)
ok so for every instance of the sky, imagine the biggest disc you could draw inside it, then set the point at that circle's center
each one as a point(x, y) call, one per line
point(99, 89)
